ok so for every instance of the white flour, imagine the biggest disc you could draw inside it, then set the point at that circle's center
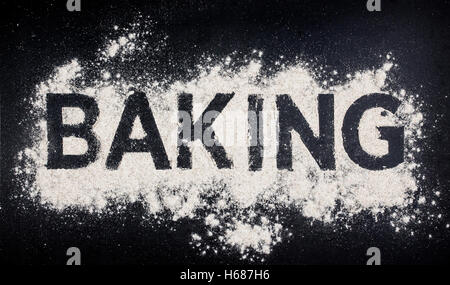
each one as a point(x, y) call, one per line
point(236, 205)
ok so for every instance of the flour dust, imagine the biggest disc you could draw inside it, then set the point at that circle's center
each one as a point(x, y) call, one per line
point(239, 208)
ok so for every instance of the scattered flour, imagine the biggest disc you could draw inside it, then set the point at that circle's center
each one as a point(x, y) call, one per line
point(236, 205)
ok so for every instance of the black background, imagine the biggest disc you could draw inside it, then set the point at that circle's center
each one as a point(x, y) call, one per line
point(37, 36)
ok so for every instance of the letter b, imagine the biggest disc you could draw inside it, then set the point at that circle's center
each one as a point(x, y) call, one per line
point(56, 130)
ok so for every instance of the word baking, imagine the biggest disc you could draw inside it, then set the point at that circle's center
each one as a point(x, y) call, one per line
point(290, 119)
